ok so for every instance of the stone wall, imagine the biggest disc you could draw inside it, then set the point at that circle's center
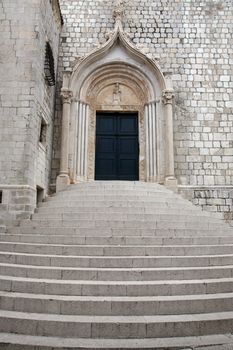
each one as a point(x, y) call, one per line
point(193, 40)
point(24, 99)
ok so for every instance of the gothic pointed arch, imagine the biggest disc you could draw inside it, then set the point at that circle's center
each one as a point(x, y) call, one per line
point(117, 76)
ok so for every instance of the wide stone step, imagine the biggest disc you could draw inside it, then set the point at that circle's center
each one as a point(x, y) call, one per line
point(124, 202)
point(92, 231)
point(11, 341)
point(54, 210)
point(119, 197)
point(115, 240)
point(116, 288)
point(115, 306)
point(107, 200)
point(192, 224)
point(115, 262)
point(143, 192)
point(116, 326)
point(142, 187)
point(155, 217)
point(98, 250)
point(116, 274)
point(100, 184)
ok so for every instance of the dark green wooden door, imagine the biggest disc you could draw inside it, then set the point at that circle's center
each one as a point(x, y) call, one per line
point(117, 150)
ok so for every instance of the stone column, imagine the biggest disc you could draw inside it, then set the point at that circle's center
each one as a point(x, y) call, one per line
point(63, 179)
point(73, 139)
point(82, 141)
point(170, 180)
point(151, 142)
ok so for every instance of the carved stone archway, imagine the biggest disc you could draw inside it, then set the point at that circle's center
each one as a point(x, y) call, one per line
point(117, 77)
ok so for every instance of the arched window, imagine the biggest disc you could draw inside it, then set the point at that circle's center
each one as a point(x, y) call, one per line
point(49, 69)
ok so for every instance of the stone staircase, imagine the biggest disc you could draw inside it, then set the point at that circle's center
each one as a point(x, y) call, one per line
point(117, 265)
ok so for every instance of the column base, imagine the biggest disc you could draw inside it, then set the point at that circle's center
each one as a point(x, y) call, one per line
point(171, 183)
point(63, 181)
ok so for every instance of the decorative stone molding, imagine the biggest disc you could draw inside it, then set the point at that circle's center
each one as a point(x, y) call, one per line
point(57, 12)
point(66, 96)
point(167, 96)
point(119, 33)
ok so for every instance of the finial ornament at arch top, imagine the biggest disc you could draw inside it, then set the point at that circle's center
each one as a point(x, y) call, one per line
point(118, 12)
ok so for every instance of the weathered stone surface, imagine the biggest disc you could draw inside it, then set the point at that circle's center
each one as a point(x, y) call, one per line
point(191, 39)
point(25, 99)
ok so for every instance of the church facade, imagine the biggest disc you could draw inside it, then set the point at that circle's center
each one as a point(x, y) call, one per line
point(116, 90)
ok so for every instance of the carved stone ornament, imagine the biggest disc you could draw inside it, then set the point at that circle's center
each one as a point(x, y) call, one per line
point(119, 10)
point(66, 96)
point(168, 96)
point(109, 34)
point(117, 94)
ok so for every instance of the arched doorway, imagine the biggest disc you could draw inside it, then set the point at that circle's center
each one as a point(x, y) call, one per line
point(117, 77)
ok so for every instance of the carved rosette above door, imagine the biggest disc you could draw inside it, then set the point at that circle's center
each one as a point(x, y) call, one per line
point(118, 77)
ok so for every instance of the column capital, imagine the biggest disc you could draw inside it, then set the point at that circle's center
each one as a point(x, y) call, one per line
point(167, 96)
point(66, 96)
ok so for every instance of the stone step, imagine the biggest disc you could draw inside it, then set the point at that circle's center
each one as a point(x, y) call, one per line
point(116, 326)
point(118, 197)
point(108, 250)
point(144, 192)
point(115, 240)
point(116, 261)
point(115, 306)
point(116, 288)
point(121, 216)
point(102, 204)
point(124, 202)
point(106, 200)
point(117, 185)
point(92, 231)
point(116, 274)
point(44, 209)
point(167, 224)
point(12, 341)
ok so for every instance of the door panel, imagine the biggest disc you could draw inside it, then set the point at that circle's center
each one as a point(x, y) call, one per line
point(128, 125)
point(106, 124)
point(106, 147)
point(117, 150)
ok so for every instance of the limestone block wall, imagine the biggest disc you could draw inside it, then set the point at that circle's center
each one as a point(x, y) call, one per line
point(24, 98)
point(193, 40)
point(48, 30)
